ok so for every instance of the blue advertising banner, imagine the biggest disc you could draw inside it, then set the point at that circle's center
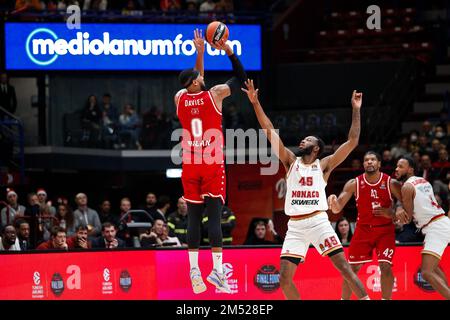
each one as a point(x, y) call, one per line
point(102, 46)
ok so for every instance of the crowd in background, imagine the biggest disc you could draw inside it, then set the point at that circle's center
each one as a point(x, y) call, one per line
point(40, 225)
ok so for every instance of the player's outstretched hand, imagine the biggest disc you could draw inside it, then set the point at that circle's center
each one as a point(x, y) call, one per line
point(250, 91)
point(357, 99)
point(199, 41)
point(332, 203)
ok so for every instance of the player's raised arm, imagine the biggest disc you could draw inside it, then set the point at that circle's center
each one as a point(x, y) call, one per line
point(284, 154)
point(233, 84)
point(332, 161)
point(199, 43)
point(336, 204)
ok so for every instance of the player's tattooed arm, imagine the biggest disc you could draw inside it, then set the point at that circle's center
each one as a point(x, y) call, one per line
point(177, 96)
point(336, 204)
point(199, 43)
point(286, 156)
point(332, 161)
point(408, 194)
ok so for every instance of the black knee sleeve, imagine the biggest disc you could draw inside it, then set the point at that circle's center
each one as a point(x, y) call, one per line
point(194, 229)
point(214, 212)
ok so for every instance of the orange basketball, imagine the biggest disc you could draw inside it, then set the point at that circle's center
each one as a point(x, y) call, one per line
point(216, 31)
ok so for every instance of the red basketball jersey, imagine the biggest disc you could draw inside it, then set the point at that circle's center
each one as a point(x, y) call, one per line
point(201, 120)
point(369, 196)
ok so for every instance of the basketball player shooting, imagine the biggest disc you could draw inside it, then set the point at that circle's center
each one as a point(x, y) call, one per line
point(306, 201)
point(200, 113)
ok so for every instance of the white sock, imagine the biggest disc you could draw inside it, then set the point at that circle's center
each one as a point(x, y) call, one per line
point(193, 259)
point(217, 260)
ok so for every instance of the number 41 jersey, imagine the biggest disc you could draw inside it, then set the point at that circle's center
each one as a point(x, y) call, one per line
point(202, 139)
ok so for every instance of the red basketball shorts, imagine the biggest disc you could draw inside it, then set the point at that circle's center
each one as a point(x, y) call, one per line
point(368, 238)
point(200, 180)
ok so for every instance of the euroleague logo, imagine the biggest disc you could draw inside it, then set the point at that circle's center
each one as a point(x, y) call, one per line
point(36, 278)
point(106, 275)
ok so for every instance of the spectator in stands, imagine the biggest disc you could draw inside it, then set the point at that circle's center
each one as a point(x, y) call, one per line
point(9, 241)
point(46, 221)
point(427, 129)
point(66, 219)
point(227, 223)
point(90, 121)
point(162, 206)
point(170, 5)
point(109, 121)
point(106, 215)
point(158, 235)
point(178, 221)
point(442, 169)
point(407, 233)
point(387, 163)
point(12, 210)
point(108, 240)
point(97, 5)
point(191, 7)
point(150, 128)
point(8, 99)
point(131, 9)
point(42, 196)
point(57, 241)
point(440, 134)
point(32, 213)
point(23, 235)
point(86, 216)
point(22, 5)
point(423, 145)
point(400, 149)
point(207, 6)
point(427, 171)
point(344, 230)
point(258, 232)
point(356, 165)
point(435, 146)
point(80, 239)
point(150, 204)
point(129, 128)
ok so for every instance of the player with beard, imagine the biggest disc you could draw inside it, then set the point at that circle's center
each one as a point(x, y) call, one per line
point(375, 229)
point(421, 205)
point(203, 177)
point(306, 201)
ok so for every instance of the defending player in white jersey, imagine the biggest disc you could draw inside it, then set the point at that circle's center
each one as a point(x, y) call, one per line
point(306, 200)
point(420, 204)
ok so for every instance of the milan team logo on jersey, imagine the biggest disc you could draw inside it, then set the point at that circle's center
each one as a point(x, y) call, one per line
point(195, 111)
point(383, 186)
